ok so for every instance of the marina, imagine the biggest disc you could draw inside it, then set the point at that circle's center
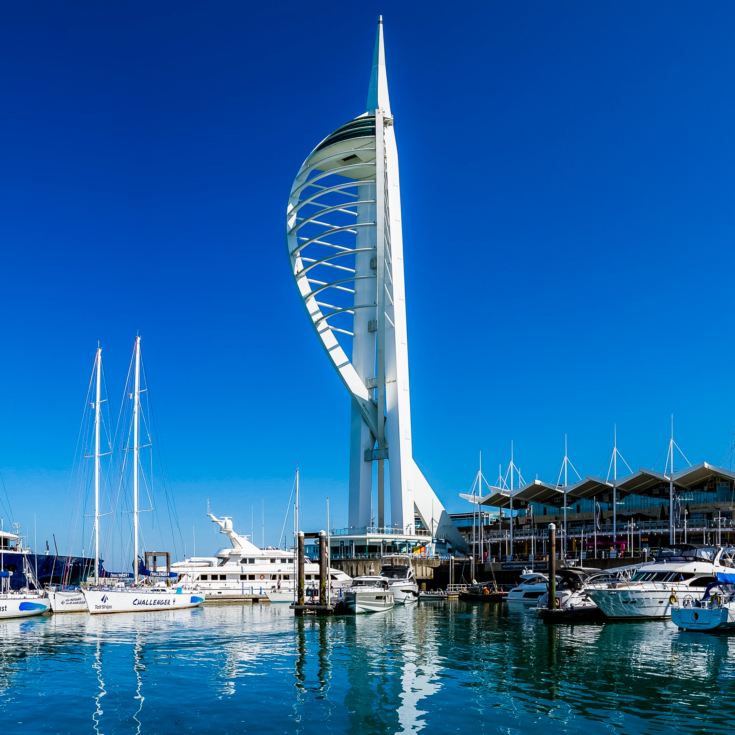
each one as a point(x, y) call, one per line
point(230, 150)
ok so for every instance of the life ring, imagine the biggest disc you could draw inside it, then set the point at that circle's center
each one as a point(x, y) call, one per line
point(262, 576)
point(672, 599)
point(557, 603)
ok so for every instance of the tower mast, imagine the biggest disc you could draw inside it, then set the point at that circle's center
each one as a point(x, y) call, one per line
point(136, 454)
point(98, 397)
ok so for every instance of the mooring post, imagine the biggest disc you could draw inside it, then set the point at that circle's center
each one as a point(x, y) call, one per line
point(552, 566)
point(300, 592)
point(323, 571)
point(451, 571)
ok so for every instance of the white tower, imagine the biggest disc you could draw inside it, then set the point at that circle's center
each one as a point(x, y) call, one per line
point(346, 246)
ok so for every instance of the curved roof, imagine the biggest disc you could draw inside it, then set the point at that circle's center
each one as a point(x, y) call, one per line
point(540, 492)
point(590, 487)
point(701, 474)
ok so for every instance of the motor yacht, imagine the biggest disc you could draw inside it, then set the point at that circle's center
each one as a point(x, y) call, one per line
point(401, 579)
point(571, 599)
point(655, 589)
point(532, 586)
point(244, 571)
point(370, 593)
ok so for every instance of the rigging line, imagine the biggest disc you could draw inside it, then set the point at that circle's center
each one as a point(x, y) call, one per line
point(76, 477)
point(7, 498)
point(282, 537)
point(173, 515)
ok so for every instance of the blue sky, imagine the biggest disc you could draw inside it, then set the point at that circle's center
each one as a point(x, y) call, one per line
point(568, 223)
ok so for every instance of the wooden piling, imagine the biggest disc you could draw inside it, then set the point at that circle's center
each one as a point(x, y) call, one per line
point(301, 589)
point(323, 571)
point(552, 566)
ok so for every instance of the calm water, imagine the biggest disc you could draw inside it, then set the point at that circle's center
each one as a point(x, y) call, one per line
point(436, 669)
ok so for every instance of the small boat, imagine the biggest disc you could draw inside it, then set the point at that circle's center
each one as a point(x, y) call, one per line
point(484, 593)
point(571, 602)
point(713, 612)
point(19, 604)
point(433, 596)
point(368, 594)
point(532, 586)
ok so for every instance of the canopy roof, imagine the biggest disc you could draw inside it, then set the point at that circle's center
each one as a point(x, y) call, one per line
point(540, 492)
point(703, 476)
point(590, 487)
point(644, 482)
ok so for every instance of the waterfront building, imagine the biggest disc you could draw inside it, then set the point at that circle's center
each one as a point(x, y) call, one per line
point(345, 243)
point(607, 518)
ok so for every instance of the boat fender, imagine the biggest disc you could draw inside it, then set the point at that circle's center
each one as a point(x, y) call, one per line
point(672, 599)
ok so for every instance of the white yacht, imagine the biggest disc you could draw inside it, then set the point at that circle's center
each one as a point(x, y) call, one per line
point(401, 580)
point(66, 599)
point(655, 589)
point(532, 586)
point(369, 594)
point(571, 595)
point(244, 571)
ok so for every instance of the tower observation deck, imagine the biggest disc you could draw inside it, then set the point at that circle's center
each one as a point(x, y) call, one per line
point(345, 242)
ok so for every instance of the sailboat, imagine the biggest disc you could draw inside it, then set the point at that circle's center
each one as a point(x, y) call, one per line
point(71, 599)
point(138, 598)
point(17, 603)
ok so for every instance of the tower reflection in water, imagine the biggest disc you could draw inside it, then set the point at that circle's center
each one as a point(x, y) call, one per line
point(449, 668)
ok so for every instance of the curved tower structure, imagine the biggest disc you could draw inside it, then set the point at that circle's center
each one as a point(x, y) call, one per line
point(346, 247)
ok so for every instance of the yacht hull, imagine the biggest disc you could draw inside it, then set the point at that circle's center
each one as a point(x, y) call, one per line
point(22, 606)
point(122, 601)
point(704, 618)
point(368, 601)
point(638, 603)
point(405, 594)
point(67, 601)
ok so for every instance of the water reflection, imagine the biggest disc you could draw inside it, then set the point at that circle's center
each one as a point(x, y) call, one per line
point(448, 667)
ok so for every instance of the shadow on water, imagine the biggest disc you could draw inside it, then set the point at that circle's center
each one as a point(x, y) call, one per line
point(446, 668)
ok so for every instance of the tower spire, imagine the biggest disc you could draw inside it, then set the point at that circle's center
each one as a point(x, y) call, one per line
point(377, 98)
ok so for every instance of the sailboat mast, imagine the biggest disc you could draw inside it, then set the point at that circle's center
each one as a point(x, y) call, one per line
point(98, 397)
point(136, 455)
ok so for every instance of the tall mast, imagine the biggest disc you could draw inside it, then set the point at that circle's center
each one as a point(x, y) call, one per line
point(672, 538)
point(98, 397)
point(510, 496)
point(615, 487)
point(136, 454)
point(566, 482)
